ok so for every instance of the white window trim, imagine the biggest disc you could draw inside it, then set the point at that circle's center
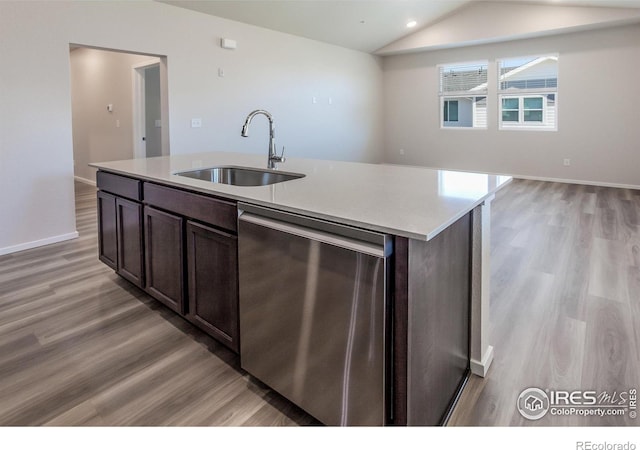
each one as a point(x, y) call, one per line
point(527, 126)
point(521, 124)
point(465, 94)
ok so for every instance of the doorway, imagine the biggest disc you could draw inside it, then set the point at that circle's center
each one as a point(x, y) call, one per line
point(147, 110)
point(119, 107)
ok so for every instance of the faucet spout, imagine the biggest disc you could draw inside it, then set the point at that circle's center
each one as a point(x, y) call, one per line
point(273, 157)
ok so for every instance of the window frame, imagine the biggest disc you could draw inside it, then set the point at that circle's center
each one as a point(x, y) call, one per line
point(456, 96)
point(446, 110)
point(521, 109)
point(521, 94)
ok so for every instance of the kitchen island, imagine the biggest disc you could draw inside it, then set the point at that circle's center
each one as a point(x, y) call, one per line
point(159, 230)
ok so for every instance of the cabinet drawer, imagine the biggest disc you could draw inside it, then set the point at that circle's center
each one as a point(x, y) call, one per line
point(216, 212)
point(119, 185)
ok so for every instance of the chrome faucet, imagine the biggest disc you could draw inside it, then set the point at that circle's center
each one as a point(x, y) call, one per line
point(273, 158)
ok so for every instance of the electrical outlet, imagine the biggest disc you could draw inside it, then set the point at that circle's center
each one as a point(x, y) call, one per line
point(196, 123)
point(402, 151)
point(567, 162)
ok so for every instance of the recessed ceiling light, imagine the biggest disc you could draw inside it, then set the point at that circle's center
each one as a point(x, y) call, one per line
point(411, 24)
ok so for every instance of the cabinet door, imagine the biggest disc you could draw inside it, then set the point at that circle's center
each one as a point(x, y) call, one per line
point(130, 250)
point(107, 231)
point(164, 257)
point(213, 282)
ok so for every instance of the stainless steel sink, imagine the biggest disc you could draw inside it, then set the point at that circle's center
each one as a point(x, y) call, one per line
point(240, 176)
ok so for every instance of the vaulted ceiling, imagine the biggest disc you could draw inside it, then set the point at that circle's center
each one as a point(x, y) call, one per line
point(365, 25)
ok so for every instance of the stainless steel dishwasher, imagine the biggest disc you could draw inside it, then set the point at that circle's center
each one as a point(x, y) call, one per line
point(313, 301)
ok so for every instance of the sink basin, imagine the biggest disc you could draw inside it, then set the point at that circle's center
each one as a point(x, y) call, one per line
point(240, 176)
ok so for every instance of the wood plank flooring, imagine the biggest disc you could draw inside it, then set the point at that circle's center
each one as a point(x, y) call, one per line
point(80, 346)
point(565, 300)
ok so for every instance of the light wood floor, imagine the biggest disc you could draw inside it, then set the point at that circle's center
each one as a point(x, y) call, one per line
point(565, 300)
point(80, 346)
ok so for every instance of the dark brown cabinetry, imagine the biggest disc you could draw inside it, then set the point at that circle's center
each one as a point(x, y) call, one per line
point(120, 243)
point(107, 231)
point(213, 282)
point(164, 257)
point(179, 246)
point(130, 245)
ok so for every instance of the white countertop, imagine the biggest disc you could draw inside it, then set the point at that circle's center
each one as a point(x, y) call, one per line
point(413, 202)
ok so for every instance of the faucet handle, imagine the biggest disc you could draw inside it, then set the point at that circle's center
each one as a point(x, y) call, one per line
point(280, 158)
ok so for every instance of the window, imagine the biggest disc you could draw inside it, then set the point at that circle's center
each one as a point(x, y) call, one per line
point(532, 109)
point(450, 111)
point(510, 110)
point(463, 91)
point(527, 90)
point(523, 110)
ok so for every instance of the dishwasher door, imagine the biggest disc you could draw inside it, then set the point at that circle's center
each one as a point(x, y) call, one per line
point(313, 299)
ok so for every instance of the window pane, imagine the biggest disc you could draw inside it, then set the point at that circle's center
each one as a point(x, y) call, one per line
point(528, 73)
point(463, 77)
point(453, 111)
point(509, 116)
point(510, 103)
point(533, 103)
point(532, 116)
point(463, 112)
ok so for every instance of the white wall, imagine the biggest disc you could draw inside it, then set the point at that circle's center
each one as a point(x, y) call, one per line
point(598, 98)
point(268, 70)
point(99, 78)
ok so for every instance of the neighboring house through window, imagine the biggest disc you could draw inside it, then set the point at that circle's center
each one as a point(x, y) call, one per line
point(527, 91)
point(463, 95)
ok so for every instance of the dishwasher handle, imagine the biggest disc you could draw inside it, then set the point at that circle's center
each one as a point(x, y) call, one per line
point(379, 251)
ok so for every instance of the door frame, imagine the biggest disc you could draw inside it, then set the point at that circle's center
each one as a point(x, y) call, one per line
point(139, 124)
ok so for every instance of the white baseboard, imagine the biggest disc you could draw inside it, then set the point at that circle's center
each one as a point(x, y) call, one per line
point(84, 180)
point(38, 243)
point(481, 368)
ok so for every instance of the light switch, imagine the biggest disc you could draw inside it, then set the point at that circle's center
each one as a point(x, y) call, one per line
point(196, 123)
point(229, 44)
point(158, 123)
